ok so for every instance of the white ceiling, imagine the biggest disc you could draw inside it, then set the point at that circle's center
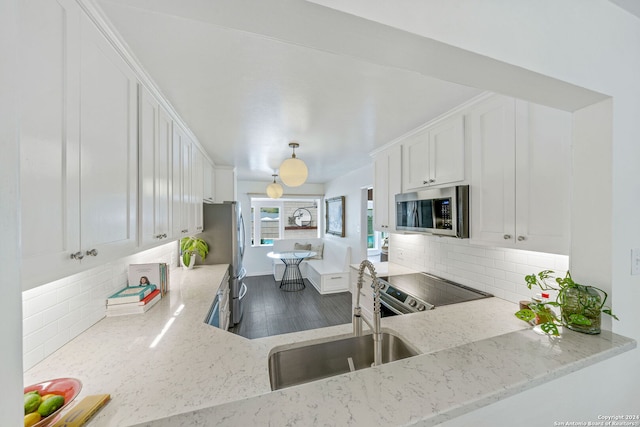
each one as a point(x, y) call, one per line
point(245, 93)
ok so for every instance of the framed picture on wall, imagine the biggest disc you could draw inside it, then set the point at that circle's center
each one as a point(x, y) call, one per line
point(335, 216)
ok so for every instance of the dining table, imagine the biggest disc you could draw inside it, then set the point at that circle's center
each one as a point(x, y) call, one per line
point(292, 279)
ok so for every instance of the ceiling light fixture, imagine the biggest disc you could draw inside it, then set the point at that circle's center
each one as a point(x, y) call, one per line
point(293, 171)
point(274, 190)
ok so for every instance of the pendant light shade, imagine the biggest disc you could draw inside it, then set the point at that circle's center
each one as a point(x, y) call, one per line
point(274, 190)
point(293, 171)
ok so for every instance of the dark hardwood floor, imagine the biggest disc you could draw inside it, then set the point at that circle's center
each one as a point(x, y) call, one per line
point(270, 311)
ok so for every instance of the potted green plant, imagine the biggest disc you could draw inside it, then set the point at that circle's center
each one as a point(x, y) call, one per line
point(580, 306)
point(189, 247)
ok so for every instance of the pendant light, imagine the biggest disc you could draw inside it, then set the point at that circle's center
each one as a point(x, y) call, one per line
point(274, 190)
point(293, 171)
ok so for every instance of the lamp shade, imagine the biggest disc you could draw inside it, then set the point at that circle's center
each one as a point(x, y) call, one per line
point(274, 190)
point(293, 171)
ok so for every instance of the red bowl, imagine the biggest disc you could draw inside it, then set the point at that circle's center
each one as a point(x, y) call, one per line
point(66, 387)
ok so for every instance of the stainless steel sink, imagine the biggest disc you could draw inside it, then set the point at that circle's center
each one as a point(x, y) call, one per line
point(316, 361)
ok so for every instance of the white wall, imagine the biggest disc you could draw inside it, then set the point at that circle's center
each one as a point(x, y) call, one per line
point(255, 260)
point(10, 308)
point(591, 45)
point(350, 186)
point(57, 312)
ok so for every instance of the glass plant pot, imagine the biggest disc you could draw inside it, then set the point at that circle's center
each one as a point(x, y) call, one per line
point(581, 309)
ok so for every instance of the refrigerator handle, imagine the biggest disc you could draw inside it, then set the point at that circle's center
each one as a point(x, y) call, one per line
point(243, 291)
point(242, 237)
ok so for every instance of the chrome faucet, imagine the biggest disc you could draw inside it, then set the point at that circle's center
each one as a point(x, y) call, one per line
point(357, 311)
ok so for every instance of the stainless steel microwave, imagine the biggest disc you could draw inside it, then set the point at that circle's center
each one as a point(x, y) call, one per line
point(441, 211)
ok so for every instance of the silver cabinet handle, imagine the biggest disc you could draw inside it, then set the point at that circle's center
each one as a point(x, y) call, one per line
point(425, 182)
point(92, 252)
point(198, 228)
point(521, 238)
point(161, 236)
point(186, 230)
point(431, 181)
point(78, 255)
point(507, 236)
point(164, 235)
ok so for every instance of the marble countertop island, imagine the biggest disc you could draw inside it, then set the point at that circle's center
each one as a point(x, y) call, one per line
point(168, 368)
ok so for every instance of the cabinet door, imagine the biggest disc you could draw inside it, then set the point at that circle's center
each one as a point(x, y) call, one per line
point(446, 152)
point(108, 151)
point(209, 181)
point(177, 190)
point(415, 162)
point(543, 178)
point(381, 192)
point(197, 173)
point(49, 139)
point(148, 135)
point(154, 132)
point(181, 182)
point(493, 171)
point(225, 184)
point(163, 174)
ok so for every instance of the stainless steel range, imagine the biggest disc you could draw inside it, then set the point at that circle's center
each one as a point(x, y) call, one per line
point(411, 293)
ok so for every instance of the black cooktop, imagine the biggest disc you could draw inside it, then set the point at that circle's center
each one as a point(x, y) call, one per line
point(434, 290)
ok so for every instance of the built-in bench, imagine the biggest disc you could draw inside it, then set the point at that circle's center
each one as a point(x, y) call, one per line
point(328, 271)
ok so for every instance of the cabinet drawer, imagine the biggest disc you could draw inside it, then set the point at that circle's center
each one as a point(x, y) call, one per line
point(335, 282)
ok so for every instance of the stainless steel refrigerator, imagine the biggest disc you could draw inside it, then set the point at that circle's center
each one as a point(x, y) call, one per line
point(224, 232)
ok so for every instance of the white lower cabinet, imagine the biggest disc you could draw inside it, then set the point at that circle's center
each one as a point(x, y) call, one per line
point(521, 175)
point(79, 146)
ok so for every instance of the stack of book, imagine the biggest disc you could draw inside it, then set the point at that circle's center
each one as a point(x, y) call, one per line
point(148, 283)
point(133, 300)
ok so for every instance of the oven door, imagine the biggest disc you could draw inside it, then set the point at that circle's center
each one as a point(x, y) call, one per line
point(390, 307)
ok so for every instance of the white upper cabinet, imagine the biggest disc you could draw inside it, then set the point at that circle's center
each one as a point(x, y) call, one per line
point(209, 182)
point(492, 189)
point(197, 188)
point(79, 145)
point(543, 178)
point(434, 156)
point(181, 223)
point(520, 189)
point(225, 184)
point(49, 139)
point(386, 184)
point(108, 147)
point(155, 131)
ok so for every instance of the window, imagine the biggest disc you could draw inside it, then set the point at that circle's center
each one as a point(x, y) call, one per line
point(374, 238)
point(266, 224)
point(276, 219)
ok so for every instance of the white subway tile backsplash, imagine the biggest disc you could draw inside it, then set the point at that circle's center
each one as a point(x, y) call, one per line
point(57, 341)
point(32, 323)
point(39, 337)
point(504, 265)
point(57, 312)
point(499, 271)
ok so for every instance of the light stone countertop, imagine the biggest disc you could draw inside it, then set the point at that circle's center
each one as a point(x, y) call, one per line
point(474, 353)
